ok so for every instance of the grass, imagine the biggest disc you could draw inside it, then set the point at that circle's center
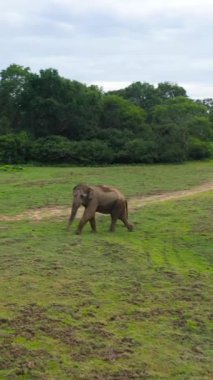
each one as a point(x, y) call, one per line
point(35, 187)
point(109, 306)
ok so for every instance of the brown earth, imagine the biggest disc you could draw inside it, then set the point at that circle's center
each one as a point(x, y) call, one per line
point(134, 204)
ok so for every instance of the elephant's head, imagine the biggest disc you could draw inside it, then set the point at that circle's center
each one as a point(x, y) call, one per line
point(82, 194)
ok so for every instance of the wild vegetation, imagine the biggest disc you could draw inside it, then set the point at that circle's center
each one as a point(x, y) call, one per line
point(106, 306)
point(50, 119)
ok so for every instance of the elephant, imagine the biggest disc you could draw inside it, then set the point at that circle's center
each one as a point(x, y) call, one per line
point(101, 198)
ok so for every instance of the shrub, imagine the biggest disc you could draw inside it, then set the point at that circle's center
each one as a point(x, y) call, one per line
point(58, 149)
point(93, 152)
point(137, 151)
point(14, 148)
point(199, 149)
point(53, 149)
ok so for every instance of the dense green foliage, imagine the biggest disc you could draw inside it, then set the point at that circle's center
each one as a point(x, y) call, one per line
point(47, 118)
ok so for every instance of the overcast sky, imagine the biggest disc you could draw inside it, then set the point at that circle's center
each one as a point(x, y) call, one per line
point(113, 43)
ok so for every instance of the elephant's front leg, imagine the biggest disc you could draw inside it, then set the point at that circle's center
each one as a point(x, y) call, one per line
point(87, 216)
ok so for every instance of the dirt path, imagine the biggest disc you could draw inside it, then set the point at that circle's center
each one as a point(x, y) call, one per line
point(134, 204)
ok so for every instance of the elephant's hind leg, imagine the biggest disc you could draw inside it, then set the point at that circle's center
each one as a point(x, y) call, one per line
point(115, 214)
point(93, 224)
point(128, 225)
point(113, 222)
point(124, 219)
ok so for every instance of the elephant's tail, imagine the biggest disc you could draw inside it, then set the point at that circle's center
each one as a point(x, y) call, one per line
point(126, 203)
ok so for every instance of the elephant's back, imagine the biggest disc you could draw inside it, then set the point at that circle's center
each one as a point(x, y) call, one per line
point(110, 190)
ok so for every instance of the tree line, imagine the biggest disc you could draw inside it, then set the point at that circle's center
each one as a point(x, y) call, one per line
point(50, 119)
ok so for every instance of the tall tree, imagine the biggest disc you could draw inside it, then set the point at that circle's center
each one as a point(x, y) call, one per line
point(121, 114)
point(52, 104)
point(174, 123)
point(141, 94)
point(12, 84)
point(168, 90)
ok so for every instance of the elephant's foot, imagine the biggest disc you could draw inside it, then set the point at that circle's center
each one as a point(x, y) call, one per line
point(130, 228)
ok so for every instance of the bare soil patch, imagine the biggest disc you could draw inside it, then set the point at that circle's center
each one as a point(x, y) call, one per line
point(135, 203)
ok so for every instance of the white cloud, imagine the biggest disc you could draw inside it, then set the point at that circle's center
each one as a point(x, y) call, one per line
point(110, 86)
point(198, 91)
point(194, 90)
point(112, 41)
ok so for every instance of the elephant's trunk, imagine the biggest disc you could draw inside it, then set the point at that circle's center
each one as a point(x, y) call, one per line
point(72, 216)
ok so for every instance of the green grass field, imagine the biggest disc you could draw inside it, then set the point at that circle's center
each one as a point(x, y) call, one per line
point(107, 306)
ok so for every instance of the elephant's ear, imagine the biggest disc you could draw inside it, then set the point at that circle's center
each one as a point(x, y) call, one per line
point(90, 193)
